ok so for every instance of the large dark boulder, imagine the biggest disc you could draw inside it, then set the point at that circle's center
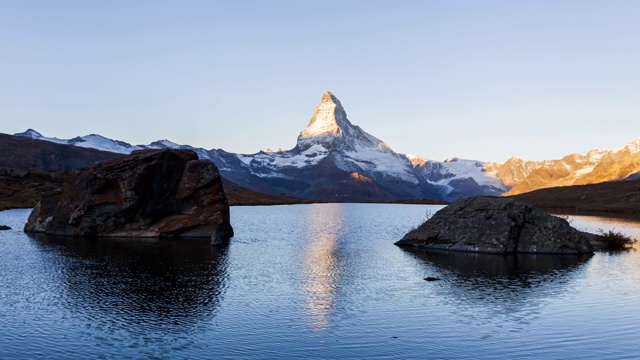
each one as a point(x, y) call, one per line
point(150, 193)
point(497, 225)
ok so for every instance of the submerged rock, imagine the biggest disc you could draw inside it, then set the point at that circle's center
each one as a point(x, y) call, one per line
point(150, 193)
point(497, 225)
point(5, 227)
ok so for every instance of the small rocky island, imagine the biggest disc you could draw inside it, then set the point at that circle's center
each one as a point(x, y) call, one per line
point(497, 225)
point(150, 193)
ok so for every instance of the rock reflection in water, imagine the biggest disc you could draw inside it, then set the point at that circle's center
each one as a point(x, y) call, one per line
point(322, 267)
point(512, 285)
point(156, 285)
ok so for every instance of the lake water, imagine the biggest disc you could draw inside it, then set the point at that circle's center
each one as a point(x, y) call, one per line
point(311, 281)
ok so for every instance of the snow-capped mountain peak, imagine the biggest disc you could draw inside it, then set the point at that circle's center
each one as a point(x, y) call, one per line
point(92, 141)
point(330, 128)
point(329, 118)
point(331, 134)
point(30, 133)
point(415, 160)
point(633, 146)
point(100, 142)
point(164, 144)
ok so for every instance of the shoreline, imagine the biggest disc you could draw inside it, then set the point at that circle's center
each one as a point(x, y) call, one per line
point(621, 214)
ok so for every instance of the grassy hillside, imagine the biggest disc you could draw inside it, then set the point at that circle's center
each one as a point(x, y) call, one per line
point(614, 197)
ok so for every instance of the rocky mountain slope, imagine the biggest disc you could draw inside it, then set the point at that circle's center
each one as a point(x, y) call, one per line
point(29, 168)
point(23, 188)
point(594, 167)
point(333, 160)
point(21, 152)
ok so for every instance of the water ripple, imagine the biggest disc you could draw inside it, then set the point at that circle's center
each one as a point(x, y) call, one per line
point(313, 281)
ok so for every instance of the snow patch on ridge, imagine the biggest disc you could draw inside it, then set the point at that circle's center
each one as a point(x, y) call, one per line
point(30, 133)
point(442, 174)
point(310, 156)
point(100, 142)
point(164, 144)
point(268, 164)
point(381, 160)
point(471, 169)
point(633, 146)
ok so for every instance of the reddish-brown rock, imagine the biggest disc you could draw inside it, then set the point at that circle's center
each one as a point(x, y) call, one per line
point(150, 193)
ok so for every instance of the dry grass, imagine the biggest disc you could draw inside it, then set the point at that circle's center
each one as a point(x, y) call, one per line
point(621, 197)
point(615, 240)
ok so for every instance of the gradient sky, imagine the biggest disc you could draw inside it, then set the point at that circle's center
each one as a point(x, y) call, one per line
point(475, 79)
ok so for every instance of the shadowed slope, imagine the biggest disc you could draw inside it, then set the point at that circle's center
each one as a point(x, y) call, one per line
point(616, 196)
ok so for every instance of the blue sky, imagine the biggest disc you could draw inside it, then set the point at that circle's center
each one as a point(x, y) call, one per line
point(477, 79)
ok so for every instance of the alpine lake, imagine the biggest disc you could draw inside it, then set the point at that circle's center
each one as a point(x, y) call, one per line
point(320, 281)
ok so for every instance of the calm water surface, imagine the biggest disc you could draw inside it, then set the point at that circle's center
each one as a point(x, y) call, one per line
point(312, 281)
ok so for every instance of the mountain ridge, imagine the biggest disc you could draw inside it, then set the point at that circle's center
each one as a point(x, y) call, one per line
point(30, 167)
point(335, 160)
point(596, 166)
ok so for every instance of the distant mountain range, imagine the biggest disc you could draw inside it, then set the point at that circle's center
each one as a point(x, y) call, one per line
point(29, 168)
point(595, 167)
point(23, 153)
point(335, 160)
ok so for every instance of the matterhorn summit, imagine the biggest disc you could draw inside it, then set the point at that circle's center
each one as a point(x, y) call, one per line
point(328, 119)
point(330, 128)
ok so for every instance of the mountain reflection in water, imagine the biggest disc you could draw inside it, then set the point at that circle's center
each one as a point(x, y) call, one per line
point(321, 263)
point(321, 281)
point(158, 285)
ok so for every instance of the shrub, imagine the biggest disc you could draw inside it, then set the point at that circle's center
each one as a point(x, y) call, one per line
point(428, 214)
point(615, 240)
